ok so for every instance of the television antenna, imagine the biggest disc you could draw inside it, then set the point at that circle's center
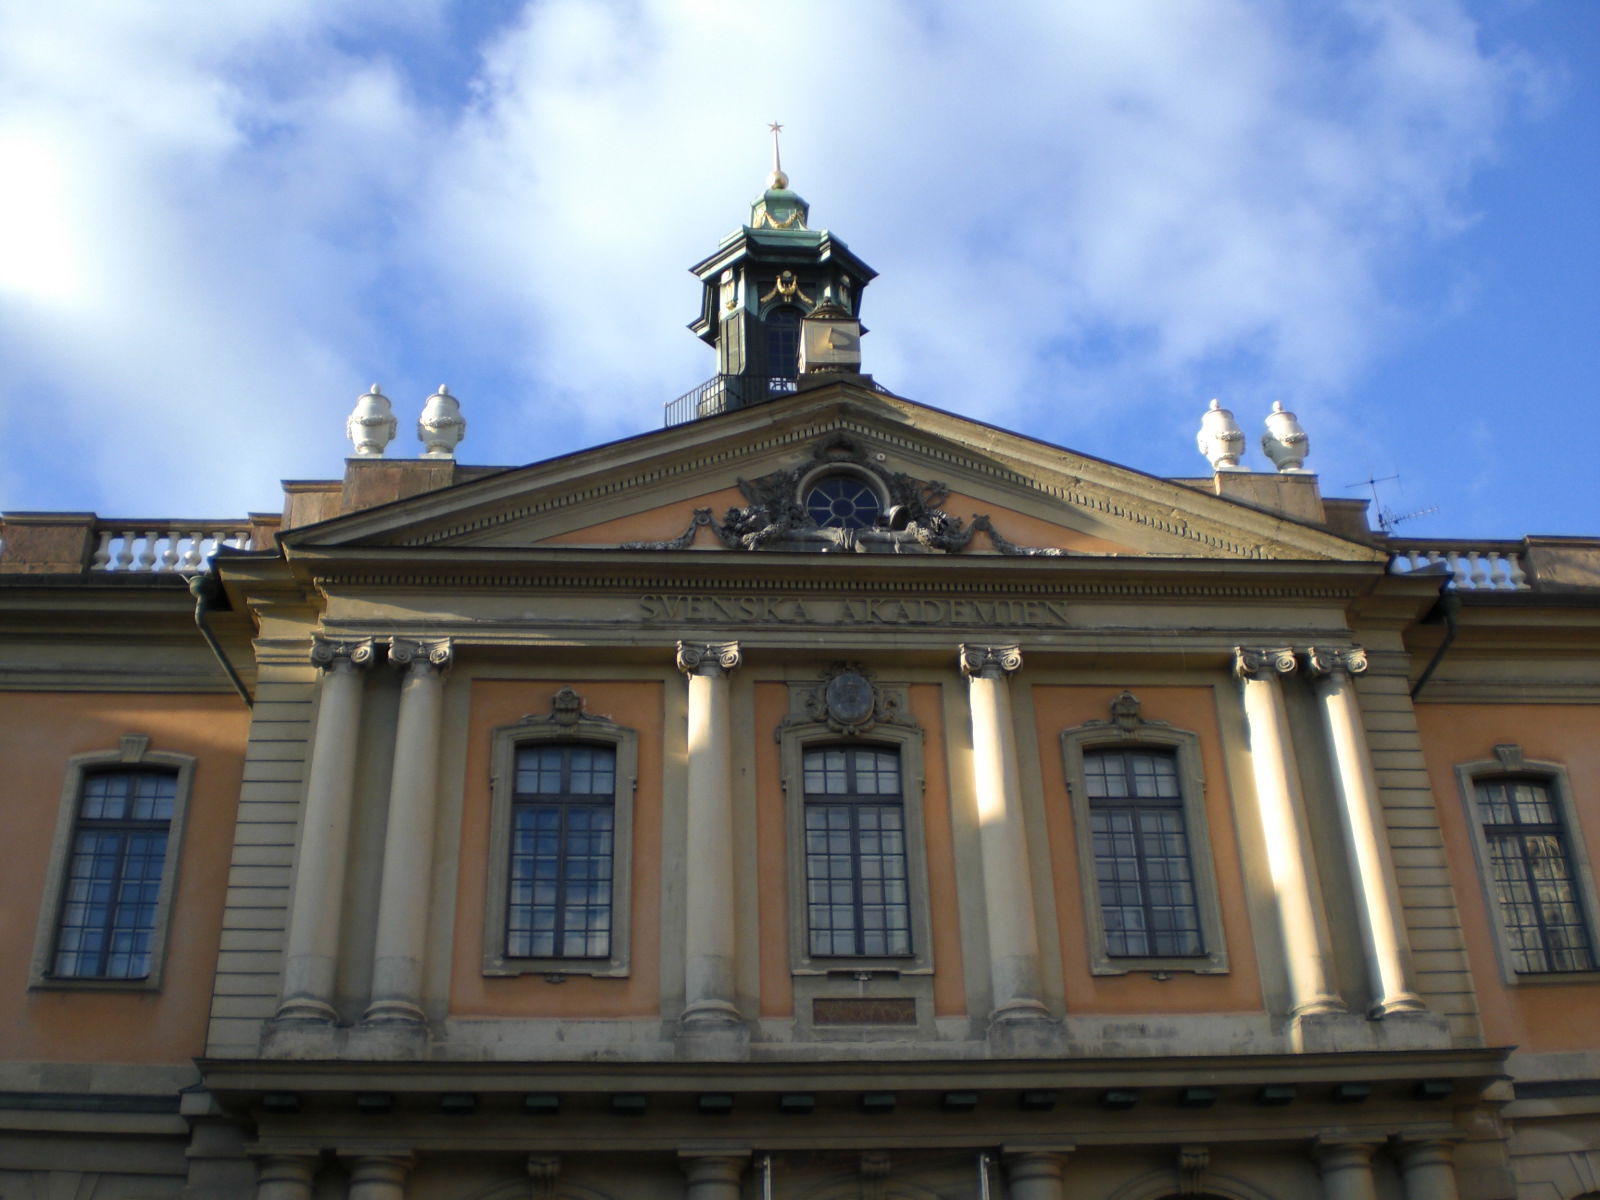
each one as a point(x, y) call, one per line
point(1387, 517)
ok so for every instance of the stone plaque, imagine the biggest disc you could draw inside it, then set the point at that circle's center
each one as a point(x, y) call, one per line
point(863, 1010)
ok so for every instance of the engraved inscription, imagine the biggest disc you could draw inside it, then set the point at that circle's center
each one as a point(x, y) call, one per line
point(864, 610)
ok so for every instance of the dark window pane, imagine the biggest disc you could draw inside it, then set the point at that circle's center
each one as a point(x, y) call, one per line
point(559, 889)
point(1143, 869)
point(858, 899)
point(115, 865)
point(1531, 876)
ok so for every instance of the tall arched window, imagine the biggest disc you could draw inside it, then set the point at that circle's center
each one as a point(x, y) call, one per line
point(783, 342)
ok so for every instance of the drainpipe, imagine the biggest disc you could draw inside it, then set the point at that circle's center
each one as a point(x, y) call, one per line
point(1449, 604)
point(206, 590)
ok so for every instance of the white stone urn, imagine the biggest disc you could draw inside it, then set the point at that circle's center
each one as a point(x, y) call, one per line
point(1284, 442)
point(371, 424)
point(1220, 439)
point(441, 426)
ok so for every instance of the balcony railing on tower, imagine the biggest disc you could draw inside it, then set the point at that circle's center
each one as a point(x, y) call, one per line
point(724, 393)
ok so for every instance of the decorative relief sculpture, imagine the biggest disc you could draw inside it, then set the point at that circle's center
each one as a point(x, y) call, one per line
point(441, 426)
point(1251, 663)
point(566, 712)
point(371, 424)
point(912, 522)
point(1220, 439)
point(1284, 442)
point(848, 700)
point(990, 660)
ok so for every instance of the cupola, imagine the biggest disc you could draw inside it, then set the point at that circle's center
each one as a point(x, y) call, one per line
point(762, 282)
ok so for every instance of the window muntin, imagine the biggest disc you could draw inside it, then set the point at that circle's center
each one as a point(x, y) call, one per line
point(563, 827)
point(843, 502)
point(1531, 875)
point(107, 918)
point(857, 895)
point(1143, 869)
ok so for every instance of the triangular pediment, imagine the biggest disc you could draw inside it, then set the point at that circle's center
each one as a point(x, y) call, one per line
point(736, 482)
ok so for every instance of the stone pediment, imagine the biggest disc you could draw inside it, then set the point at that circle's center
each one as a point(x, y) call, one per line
point(747, 482)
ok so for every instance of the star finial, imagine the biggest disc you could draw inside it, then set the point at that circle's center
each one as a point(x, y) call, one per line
point(777, 162)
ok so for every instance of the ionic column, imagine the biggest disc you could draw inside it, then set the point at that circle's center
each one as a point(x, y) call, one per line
point(311, 954)
point(285, 1177)
point(1306, 949)
point(1346, 1169)
point(1034, 1176)
point(1384, 941)
point(708, 891)
point(1007, 883)
point(378, 1176)
point(1428, 1169)
point(712, 1176)
point(404, 895)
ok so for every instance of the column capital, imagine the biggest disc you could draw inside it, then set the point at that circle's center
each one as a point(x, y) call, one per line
point(989, 662)
point(329, 654)
point(712, 1166)
point(1425, 1149)
point(1033, 1164)
point(288, 1167)
point(1255, 662)
point(384, 1167)
point(1334, 1153)
point(1322, 661)
point(707, 658)
point(434, 652)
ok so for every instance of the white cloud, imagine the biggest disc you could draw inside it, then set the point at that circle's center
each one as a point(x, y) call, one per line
point(244, 213)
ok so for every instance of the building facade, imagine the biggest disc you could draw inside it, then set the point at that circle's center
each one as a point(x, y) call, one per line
point(821, 796)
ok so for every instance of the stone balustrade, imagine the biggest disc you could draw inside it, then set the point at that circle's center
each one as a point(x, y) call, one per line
point(1473, 565)
point(164, 546)
point(73, 543)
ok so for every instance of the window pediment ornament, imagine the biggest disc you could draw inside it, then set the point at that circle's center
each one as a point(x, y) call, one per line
point(566, 713)
point(849, 701)
point(776, 514)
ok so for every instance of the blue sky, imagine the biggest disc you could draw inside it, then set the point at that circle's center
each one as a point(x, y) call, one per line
point(220, 223)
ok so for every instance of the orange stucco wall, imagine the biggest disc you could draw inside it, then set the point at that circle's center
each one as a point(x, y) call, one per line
point(637, 705)
point(1536, 1016)
point(38, 733)
point(777, 991)
point(1057, 708)
point(1025, 530)
point(655, 524)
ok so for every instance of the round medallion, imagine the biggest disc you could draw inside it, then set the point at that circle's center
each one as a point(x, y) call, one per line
point(850, 699)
